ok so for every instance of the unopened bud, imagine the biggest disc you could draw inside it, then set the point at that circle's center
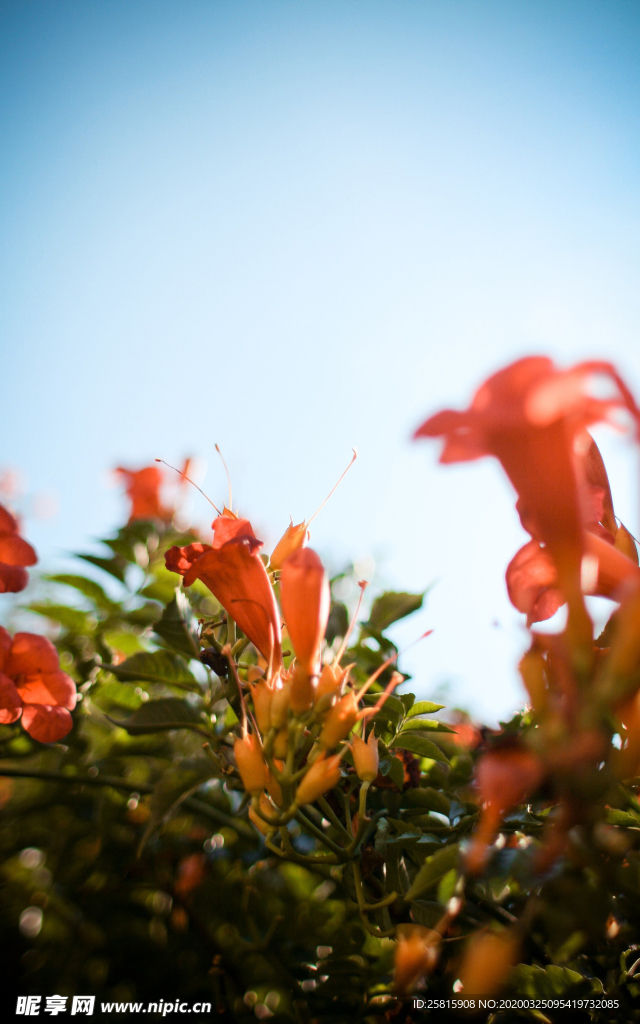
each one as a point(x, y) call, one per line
point(302, 690)
point(250, 762)
point(487, 962)
point(280, 705)
point(292, 540)
point(340, 720)
point(273, 786)
point(365, 757)
point(323, 775)
point(305, 599)
point(262, 695)
point(281, 744)
point(416, 955)
point(328, 683)
point(262, 825)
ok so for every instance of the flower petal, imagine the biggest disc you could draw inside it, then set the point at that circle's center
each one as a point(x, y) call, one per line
point(46, 724)
point(235, 575)
point(15, 551)
point(13, 578)
point(10, 703)
point(532, 583)
point(31, 653)
point(56, 688)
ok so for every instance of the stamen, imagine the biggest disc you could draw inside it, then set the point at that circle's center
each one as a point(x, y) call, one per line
point(228, 477)
point(363, 584)
point(189, 480)
point(335, 486)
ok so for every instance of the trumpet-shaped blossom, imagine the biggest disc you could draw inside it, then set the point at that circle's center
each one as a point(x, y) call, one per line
point(528, 416)
point(33, 687)
point(143, 490)
point(15, 554)
point(233, 571)
point(293, 539)
point(305, 603)
point(610, 553)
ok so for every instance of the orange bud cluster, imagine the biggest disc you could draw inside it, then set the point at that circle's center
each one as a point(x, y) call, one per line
point(416, 955)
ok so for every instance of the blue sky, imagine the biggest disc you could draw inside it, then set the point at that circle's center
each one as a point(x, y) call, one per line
point(291, 228)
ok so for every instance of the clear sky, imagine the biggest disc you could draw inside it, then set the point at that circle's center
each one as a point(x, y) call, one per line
point(294, 227)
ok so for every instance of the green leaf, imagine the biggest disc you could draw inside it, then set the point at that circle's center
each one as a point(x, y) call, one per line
point(390, 607)
point(144, 616)
point(541, 982)
point(71, 618)
point(392, 707)
point(155, 715)
point(338, 621)
point(157, 667)
point(120, 694)
point(116, 566)
point(425, 707)
point(447, 886)
point(178, 628)
point(88, 587)
point(430, 799)
point(176, 785)
point(427, 724)
point(419, 745)
point(433, 869)
point(616, 817)
point(408, 700)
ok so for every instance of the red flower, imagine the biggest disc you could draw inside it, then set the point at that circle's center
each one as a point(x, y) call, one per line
point(611, 556)
point(143, 490)
point(234, 573)
point(15, 553)
point(33, 686)
point(529, 416)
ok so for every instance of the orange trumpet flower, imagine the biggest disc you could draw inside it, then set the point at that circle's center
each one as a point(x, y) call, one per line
point(33, 687)
point(305, 599)
point(528, 416)
point(234, 573)
point(15, 554)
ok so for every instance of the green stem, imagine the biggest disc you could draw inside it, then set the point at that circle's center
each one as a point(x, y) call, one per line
point(330, 814)
point(363, 906)
point(320, 836)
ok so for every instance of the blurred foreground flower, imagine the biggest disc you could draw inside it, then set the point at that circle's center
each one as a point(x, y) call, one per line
point(15, 554)
point(33, 687)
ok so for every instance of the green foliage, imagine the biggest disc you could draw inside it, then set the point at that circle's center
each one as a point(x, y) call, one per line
point(102, 830)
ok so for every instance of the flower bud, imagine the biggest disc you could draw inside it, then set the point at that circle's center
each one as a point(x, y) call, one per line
point(340, 720)
point(365, 757)
point(273, 786)
point(305, 598)
point(302, 689)
point(262, 695)
point(250, 762)
point(323, 775)
point(281, 744)
point(487, 962)
point(280, 705)
point(329, 682)
point(416, 955)
point(262, 825)
point(292, 540)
